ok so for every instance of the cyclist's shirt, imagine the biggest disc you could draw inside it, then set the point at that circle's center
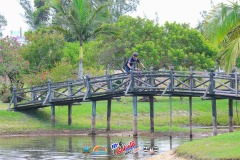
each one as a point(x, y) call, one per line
point(132, 61)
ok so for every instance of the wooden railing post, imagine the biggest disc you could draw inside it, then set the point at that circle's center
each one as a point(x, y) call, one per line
point(212, 82)
point(89, 93)
point(151, 78)
point(33, 93)
point(109, 82)
point(14, 90)
point(69, 88)
point(191, 78)
point(171, 79)
point(50, 91)
point(132, 79)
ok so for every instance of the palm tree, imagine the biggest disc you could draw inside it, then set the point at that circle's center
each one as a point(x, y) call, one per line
point(80, 20)
point(222, 27)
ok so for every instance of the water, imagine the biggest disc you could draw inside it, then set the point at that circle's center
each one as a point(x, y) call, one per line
point(71, 147)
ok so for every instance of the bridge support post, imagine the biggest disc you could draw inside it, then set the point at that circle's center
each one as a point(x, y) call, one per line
point(135, 125)
point(230, 105)
point(151, 113)
point(109, 105)
point(234, 85)
point(94, 104)
point(170, 123)
point(53, 115)
point(214, 116)
point(69, 114)
point(190, 116)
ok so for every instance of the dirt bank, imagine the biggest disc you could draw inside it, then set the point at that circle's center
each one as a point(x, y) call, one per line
point(169, 155)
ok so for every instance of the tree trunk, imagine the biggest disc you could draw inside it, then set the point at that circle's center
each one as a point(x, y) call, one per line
point(80, 71)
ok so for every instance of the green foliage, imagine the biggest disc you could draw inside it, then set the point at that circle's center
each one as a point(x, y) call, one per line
point(158, 46)
point(42, 13)
point(221, 27)
point(118, 7)
point(44, 49)
point(12, 64)
point(62, 72)
point(6, 97)
point(81, 21)
point(71, 53)
point(3, 23)
point(5, 94)
point(38, 16)
point(36, 78)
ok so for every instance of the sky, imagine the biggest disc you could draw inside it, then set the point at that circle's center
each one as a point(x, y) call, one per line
point(180, 11)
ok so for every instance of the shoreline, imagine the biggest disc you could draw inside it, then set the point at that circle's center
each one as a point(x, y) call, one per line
point(120, 133)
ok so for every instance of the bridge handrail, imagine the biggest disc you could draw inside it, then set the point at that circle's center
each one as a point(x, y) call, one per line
point(163, 81)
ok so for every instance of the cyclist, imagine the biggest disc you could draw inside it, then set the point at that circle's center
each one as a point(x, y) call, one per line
point(130, 64)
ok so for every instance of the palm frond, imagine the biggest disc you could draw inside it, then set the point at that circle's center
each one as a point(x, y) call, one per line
point(230, 54)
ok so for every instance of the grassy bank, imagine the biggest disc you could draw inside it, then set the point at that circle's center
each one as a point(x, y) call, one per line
point(121, 118)
point(225, 146)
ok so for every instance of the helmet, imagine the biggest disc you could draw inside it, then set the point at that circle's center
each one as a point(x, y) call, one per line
point(135, 54)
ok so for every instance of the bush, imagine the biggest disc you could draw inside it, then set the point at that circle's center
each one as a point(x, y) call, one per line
point(6, 97)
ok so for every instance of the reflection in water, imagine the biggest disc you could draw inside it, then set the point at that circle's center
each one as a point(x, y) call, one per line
point(71, 147)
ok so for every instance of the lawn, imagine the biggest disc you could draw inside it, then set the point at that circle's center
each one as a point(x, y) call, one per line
point(121, 116)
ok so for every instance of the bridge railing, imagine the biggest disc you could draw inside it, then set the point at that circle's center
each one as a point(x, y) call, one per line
point(138, 82)
point(66, 91)
point(106, 85)
point(25, 96)
point(169, 81)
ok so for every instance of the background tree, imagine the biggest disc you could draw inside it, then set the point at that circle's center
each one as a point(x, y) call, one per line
point(12, 67)
point(44, 49)
point(3, 23)
point(36, 16)
point(117, 7)
point(81, 21)
point(222, 28)
point(159, 46)
point(12, 64)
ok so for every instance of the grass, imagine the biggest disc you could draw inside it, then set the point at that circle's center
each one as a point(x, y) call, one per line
point(121, 116)
point(224, 146)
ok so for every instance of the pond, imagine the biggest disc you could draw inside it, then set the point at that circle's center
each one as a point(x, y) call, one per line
point(85, 147)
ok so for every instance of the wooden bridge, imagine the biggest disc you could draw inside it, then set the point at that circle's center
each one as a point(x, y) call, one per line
point(207, 85)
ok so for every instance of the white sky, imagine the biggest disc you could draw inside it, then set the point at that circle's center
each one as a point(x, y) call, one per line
point(180, 11)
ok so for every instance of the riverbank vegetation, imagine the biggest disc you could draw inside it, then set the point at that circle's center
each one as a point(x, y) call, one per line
point(225, 146)
point(121, 116)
